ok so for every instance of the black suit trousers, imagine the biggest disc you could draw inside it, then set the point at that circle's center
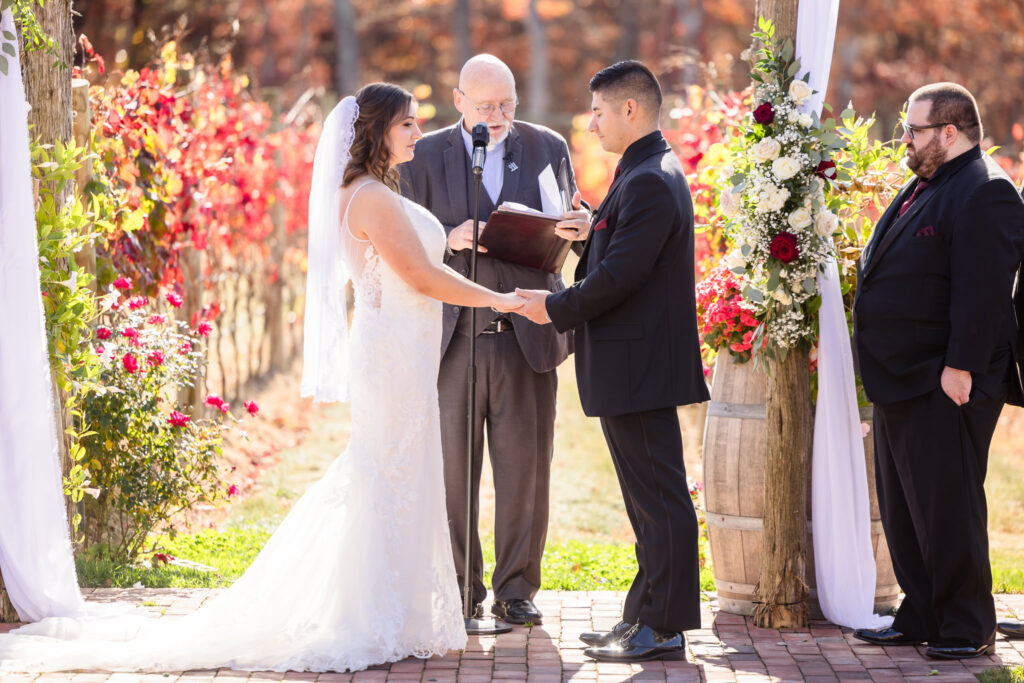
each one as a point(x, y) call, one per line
point(931, 457)
point(647, 450)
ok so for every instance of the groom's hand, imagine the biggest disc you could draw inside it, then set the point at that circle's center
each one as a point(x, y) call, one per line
point(461, 237)
point(534, 308)
point(574, 225)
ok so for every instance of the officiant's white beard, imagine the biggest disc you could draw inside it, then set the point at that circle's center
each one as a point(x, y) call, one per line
point(492, 142)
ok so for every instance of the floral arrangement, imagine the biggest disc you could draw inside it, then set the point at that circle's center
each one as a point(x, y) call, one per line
point(781, 224)
point(147, 456)
point(727, 320)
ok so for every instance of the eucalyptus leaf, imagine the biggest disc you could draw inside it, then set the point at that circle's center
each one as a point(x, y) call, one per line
point(738, 270)
point(793, 68)
point(10, 36)
point(3, 65)
point(746, 249)
point(9, 49)
point(848, 114)
point(752, 294)
point(810, 285)
point(773, 281)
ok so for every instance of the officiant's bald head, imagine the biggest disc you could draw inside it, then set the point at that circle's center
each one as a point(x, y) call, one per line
point(487, 94)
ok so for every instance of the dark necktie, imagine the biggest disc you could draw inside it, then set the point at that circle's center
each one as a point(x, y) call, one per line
point(921, 186)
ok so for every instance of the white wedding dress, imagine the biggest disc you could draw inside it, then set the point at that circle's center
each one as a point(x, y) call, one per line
point(360, 572)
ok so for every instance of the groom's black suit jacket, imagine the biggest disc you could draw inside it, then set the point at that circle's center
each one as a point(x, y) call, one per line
point(632, 306)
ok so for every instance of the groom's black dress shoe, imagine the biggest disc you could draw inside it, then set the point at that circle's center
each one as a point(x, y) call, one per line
point(602, 639)
point(956, 651)
point(517, 611)
point(640, 644)
point(885, 636)
point(1011, 629)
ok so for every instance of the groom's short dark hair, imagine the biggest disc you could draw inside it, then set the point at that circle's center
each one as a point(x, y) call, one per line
point(628, 79)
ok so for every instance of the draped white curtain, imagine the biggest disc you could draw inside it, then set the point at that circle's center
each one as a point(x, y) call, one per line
point(35, 550)
point(844, 560)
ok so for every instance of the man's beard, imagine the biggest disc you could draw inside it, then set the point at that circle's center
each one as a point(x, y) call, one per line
point(926, 160)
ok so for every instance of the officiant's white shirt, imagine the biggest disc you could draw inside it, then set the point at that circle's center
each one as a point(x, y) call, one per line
point(494, 173)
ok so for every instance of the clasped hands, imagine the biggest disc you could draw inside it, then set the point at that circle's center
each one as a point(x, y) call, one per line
point(529, 303)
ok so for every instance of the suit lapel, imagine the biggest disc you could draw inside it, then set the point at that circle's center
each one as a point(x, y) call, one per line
point(900, 223)
point(456, 167)
point(513, 160)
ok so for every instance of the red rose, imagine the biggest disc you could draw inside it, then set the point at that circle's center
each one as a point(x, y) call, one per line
point(251, 407)
point(764, 114)
point(123, 283)
point(155, 358)
point(826, 170)
point(204, 329)
point(130, 363)
point(783, 247)
point(104, 333)
point(177, 419)
point(174, 299)
point(214, 400)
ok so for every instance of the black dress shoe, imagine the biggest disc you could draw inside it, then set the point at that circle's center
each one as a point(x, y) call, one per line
point(640, 644)
point(517, 611)
point(956, 651)
point(885, 636)
point(1011, 629)
point(602, 639)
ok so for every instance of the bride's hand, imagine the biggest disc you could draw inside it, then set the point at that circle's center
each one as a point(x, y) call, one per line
point(507, 303)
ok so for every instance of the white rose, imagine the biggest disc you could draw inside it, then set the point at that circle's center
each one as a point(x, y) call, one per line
point(799, 219)
point(782, 296)
point(729, 202)
point(826, 223)
point(785, 168)
point(772, 199)
point(793, 116)
point(805, 120)
point(735, 259)
point(799, 91)
point(766, 150)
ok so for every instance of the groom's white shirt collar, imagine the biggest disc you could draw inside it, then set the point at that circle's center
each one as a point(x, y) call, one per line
point(494, 172)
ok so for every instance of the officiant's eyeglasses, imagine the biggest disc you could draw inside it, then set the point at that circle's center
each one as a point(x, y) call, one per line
point(489, 108)
point(910, 130)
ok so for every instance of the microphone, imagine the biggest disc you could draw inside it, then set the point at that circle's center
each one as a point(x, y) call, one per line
point(481, 137)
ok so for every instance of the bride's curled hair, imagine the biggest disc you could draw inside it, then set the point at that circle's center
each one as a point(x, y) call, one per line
point(381, 105)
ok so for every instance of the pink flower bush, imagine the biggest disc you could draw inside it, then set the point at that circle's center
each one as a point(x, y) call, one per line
point(177, 419)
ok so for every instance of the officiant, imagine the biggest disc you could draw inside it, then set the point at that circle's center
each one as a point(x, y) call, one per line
point(516, 359)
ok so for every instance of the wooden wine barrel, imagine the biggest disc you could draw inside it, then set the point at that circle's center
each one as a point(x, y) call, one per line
point(734, 456)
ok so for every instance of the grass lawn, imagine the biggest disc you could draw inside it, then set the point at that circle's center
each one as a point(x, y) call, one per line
point(1003, 674)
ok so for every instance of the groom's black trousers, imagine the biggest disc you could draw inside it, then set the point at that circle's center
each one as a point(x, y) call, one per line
point(931, 456)
point(647, 451)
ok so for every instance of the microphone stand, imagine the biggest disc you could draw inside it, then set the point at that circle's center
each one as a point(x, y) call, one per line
point(475, 626)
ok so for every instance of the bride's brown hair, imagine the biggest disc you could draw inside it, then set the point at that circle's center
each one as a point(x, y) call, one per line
point(381, 105)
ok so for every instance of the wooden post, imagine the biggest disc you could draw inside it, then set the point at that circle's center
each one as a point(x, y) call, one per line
point(781, 590)
point(8, 614)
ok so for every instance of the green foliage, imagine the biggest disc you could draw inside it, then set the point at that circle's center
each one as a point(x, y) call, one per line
point(1002, 674)
point(31, 31)
point(147, 459)
point(68, 301)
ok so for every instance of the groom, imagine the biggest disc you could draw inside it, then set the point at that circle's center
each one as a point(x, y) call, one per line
point(638, 356)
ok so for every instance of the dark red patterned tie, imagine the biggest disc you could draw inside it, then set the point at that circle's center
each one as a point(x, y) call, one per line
point(918, 189)
point(618, 168)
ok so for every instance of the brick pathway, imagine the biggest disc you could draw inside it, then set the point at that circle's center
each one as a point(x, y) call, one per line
point(729, 648)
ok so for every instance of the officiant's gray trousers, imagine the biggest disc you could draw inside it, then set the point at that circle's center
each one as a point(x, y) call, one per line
point(517, 407)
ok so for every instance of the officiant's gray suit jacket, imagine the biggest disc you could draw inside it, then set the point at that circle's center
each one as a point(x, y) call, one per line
point(440, 179)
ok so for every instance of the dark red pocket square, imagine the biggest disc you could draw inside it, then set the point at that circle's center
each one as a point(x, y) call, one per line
point(601, 224)
point(928, 231)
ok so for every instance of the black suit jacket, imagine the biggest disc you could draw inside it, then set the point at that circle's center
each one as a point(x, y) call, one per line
point(936, 288)
point(439, 178)
point(632, 306)
point(1016, 395)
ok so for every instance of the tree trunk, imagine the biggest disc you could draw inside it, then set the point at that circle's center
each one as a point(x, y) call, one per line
point(346, 67)
point(48, 91)
point(540, 65)
point(8, 614)
point(781, 587)
point(463, 48)
point(629, 23)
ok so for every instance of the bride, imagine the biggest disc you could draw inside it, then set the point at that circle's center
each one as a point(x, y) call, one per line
point(360, 572)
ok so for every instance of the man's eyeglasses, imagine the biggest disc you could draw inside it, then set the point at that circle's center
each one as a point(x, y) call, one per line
point(910, 130)
point(489, 108)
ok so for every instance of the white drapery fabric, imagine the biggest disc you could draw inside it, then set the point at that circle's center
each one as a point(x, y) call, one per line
point(35, 549)
point(844, 559)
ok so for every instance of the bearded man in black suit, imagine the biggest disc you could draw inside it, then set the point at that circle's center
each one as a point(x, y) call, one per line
point(633, 313)
point(934, 334)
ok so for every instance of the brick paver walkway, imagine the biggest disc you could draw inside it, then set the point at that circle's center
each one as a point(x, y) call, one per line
point(728, 648)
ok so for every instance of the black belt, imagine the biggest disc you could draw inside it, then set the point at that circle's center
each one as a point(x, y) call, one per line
point(498, 325)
